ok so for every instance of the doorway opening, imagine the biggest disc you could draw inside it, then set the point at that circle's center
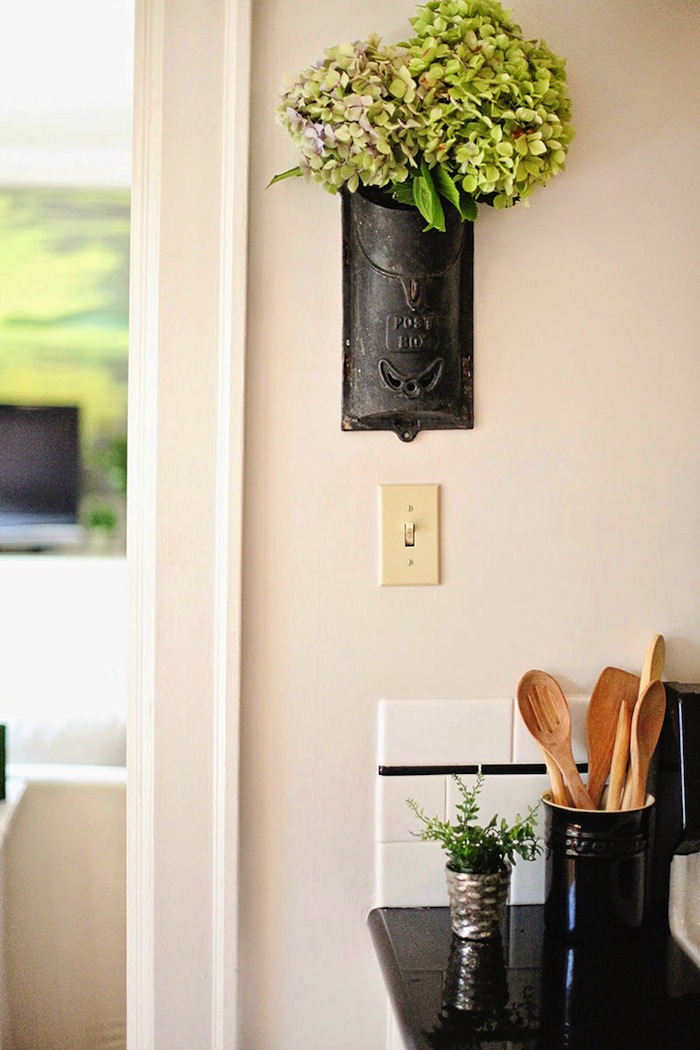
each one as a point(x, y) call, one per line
point(66, 102)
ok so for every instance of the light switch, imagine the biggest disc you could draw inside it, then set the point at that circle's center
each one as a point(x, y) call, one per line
point(409, 535)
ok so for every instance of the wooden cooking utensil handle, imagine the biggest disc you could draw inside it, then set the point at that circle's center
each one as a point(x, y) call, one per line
point(579, 794)
point(560, 793)
point(620, 758)
point(652, 669)
point(647, 720)
point(626, 800)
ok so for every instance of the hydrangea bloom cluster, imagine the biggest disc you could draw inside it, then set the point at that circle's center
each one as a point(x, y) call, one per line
point(496, 105)
point(348, 123)
point(466, 110)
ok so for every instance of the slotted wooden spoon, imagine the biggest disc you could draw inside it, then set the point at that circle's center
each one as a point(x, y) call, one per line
point(647, 720)
point(545, 712)
point(613, 689)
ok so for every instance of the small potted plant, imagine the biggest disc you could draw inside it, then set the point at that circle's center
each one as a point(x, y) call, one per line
point(479, 859)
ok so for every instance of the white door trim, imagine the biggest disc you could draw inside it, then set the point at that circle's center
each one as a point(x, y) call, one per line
point(229, 515)
point(187, 339)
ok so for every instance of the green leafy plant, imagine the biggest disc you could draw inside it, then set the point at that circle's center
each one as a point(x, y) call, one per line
point(475, 849)
point(102, 517)
point(466, 111)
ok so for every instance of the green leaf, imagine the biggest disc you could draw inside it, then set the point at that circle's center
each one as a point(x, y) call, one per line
point(446, 186)
point(467, 207)
point(422, 198)
point(293, 173)
point(427, 200)
point(403, 192)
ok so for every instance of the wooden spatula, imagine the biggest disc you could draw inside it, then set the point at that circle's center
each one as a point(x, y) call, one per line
point(614, 689)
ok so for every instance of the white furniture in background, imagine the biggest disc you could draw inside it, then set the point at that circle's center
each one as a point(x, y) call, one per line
point(8, 808)
point(63, 929)
point(63, 640)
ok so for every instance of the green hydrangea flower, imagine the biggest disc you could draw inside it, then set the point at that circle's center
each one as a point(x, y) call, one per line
point(497, 105)
point(465, 111)
point(348, 116)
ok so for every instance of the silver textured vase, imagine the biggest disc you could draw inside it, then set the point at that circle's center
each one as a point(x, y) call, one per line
point(477, 903)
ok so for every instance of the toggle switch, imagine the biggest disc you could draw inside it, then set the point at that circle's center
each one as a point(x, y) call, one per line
point(409, 535)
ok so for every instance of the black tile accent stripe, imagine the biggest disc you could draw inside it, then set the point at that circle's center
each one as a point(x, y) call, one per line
point(487, 768)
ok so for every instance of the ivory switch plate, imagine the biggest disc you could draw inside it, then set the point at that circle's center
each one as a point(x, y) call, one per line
point(409, 535)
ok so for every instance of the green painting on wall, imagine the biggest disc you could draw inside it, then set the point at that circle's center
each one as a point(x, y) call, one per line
point(64, 278)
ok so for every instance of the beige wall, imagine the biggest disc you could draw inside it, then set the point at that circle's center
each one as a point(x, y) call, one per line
point(571, 512)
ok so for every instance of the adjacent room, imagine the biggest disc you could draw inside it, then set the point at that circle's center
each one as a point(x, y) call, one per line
point(65, 173)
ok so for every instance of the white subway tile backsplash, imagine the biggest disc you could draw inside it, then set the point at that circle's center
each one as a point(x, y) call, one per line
point(444, 732)
point(527, 885)
point(395, 821)
point(526, 749)
point(507, 796)
point(410, 875)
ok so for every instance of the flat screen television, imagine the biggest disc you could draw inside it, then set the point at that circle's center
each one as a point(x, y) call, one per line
point(40, 475)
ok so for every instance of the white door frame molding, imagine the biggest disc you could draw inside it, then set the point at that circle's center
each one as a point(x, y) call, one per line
point(187, 339)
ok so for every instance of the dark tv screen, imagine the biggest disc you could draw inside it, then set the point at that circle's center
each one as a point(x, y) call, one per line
point(39, 466)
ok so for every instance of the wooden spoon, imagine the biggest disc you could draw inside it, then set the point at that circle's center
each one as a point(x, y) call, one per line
point(621, 754)
point(614, 689)
point(652, 669)
point(545, 712)
point(654, 660)
point(646, 726)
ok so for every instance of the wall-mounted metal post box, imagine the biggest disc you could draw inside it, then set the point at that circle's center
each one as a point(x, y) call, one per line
point(407, 319)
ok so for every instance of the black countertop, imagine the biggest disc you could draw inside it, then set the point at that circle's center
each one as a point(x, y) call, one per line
point(529, 990)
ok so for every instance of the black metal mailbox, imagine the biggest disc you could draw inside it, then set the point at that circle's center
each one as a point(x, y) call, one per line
point(407, 319)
